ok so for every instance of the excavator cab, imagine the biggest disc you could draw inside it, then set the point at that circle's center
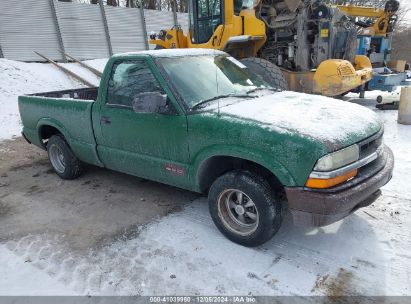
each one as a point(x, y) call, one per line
point(206, 16)
point(230, 26)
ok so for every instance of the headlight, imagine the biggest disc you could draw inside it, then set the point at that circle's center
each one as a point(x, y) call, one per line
point(338, 159)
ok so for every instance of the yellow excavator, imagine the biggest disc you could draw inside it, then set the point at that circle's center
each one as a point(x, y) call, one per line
point(301, 45)
point(379, 21)
point(375, 30)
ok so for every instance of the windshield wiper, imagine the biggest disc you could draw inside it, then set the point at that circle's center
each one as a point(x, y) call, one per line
point(197, 105)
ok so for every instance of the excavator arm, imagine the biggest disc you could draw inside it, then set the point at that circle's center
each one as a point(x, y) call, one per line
point(384, 20)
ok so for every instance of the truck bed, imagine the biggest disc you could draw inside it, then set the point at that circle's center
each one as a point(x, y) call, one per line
point(69, 112)
point(83, 94)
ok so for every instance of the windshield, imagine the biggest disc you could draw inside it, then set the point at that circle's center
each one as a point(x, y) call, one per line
point(198, 79)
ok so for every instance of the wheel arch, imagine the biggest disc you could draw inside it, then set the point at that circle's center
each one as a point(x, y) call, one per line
point(47, 127)
point(213, 166)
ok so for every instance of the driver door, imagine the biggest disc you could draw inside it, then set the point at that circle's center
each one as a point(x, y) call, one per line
point(149, 145)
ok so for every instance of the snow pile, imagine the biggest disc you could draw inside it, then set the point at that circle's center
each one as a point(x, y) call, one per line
point(320, 117)
point(19, 78)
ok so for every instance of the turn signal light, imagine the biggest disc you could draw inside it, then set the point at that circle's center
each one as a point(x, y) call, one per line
point(317, 183)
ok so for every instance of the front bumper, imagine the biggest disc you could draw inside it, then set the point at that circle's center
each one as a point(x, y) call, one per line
point(319, 208)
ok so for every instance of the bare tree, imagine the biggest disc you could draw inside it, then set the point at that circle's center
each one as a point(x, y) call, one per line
point(130, 3)
point(401, 47)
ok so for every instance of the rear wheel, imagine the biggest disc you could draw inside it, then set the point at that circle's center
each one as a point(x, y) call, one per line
point(268, 71)
point(62, 159)
point(244, 208)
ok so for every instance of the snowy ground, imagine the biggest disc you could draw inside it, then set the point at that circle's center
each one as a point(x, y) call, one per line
point(183, 253)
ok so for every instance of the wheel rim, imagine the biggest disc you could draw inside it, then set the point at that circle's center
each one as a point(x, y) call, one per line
point(238, 212)
point(57, 158)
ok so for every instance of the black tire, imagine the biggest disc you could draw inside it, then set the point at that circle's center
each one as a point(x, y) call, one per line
point(268, 71)
point(268, 208)
point(158, 47)
point(66, 165)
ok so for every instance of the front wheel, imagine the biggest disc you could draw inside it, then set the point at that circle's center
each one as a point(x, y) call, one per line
point(244, 208)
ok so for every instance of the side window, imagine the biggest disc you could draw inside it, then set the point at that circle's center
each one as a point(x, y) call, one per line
point(128, 79)
point(238, 5)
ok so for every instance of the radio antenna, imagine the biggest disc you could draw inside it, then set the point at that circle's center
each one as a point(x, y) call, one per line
point(216, 81)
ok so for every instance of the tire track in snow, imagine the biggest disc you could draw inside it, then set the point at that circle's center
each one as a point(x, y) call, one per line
point(184, 253)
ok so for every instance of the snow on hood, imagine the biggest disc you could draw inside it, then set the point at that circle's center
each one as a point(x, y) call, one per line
point(174, 53)
point(329, 120)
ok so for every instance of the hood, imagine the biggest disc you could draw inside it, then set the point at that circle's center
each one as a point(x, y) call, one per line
point(333, 122)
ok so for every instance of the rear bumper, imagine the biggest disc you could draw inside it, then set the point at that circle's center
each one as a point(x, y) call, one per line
point(316, 209)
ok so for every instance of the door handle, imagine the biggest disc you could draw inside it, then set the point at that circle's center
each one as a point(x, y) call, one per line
point(105, 120)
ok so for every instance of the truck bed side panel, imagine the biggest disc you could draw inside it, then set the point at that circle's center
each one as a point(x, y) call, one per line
point(71, 117)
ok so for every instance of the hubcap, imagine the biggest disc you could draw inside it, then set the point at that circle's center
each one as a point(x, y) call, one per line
point(239, 209)
point(238, 212)
point(57, 158)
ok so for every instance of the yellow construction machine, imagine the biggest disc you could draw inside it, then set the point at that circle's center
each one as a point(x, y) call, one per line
point(374, 21)
point(375, 31)
point(301, 45)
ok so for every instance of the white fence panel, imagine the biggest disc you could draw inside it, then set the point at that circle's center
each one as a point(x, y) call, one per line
point(158, 20)
point(125, 28)
point(28, 26)
point(83, 31)
point(182, 20)
point(32, 25)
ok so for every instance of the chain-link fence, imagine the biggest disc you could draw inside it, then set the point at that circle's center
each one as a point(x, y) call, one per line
point(84, 30)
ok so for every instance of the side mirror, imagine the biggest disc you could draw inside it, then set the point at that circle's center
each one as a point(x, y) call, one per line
point(150, 102)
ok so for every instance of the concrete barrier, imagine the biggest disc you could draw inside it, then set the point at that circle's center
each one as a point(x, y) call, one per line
point(404, 111)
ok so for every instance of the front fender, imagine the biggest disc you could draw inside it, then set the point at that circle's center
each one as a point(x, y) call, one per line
point(258, 157)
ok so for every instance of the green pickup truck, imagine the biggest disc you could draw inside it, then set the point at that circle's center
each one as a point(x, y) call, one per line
point(200, 120)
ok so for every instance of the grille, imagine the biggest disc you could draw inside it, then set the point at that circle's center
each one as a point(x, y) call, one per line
point(371, 144)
